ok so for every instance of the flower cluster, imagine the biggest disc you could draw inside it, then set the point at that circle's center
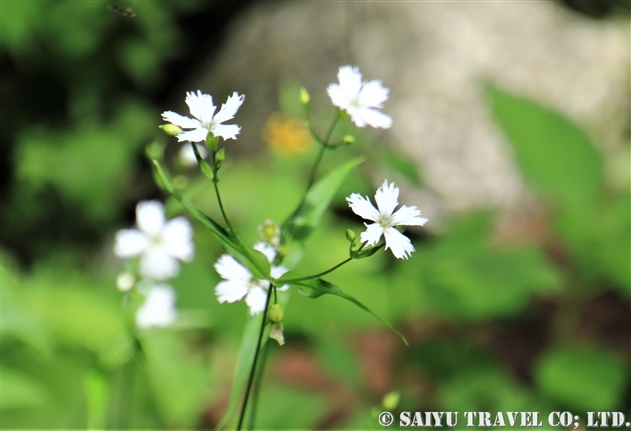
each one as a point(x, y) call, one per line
point(158, 245)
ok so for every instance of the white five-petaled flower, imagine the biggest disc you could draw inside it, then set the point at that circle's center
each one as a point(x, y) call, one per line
point(158, 309)
point(158, 242)
point(238, 282)
point(206, 121)
point(359, 99)
point(385, 219)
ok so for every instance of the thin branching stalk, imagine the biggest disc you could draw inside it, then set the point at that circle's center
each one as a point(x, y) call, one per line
point(256, 357)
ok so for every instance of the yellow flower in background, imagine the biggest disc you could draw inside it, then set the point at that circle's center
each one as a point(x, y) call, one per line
point(286, 134)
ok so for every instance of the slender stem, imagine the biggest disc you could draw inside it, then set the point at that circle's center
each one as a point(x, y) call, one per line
point(257, 388)
point(256, 358)
point(294, 280)
point(324, 144)
point(223, 213)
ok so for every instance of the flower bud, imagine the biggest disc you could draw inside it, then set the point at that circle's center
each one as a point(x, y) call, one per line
point(220, 156)
point(350, 235)
point(171, 129)
point(275, 314)
point(391, 400)
point(304, 96)
point(125, 281)
point(348, 140)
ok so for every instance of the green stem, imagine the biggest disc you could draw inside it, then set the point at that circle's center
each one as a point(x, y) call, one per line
point(256, 357)
point(257, 387)
point(223, 213)
point(324, 144)
point(294, 280)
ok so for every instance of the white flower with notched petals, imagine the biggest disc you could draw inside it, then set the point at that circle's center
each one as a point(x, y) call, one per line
point(206, 121)
point(359, 99)
point(159, 243)
point(158, 309)
point(239, 282)
point(385, 219)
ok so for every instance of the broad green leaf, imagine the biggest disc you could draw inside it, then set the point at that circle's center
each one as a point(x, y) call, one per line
point(402, 164)
point(555, 155)
point(247, 352)
point(303, 221)
point(464, 277)
point(316, 287)
point(231, 242)
point(582, 378)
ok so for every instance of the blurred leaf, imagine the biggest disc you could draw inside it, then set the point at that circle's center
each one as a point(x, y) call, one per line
point(317, 287)
point(273, 412)
point(582, 378)
point(180, 381)
point(402, 164)
point(465, 278)
point(247, 352)
point(303, 221)
point(553, 153)
point(488, 390)
point(19, 391)
point(613, 252)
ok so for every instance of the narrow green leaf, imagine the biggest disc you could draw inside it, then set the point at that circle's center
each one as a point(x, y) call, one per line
point(317, 287)
point(365, 252)
point(244, 364)
point(258, 264)
point(304, 220)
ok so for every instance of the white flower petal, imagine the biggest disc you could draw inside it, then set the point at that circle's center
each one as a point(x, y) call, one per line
point(400, 244)
point(267, 249)
point(231, 290)
point(283, 287)
point(229, 109)
point(278, 271)
point(256, 299)
point(372, 234)
point(180, 120)
point(350, 81)
point(371, 117)
point(150, 217)
point(408, 216)
point(372, 95)
point(129, 243)
point(187, 155)
point(337, 96)
point(157, 265)
point(177, 239)
point(196, 135)
point(201, 106)
point(226, 131)
point(387, 198)
point(362, 207)
point(158, 309)
point(230, 269)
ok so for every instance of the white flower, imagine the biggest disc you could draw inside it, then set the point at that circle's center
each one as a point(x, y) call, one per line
point(187, 155)
point(158, 242)
point(158, 308)
point(206, 121)
point(239, 282)
point(385, 218)
point(359, 98)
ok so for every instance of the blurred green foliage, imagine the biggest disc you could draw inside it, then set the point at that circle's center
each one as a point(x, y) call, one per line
point(72, 358)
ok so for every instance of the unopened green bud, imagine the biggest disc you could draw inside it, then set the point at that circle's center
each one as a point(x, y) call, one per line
point(171, 129)
point(348, 140)
point(304, 96)
point(391, 400)
point(275, 314)
point(220, 156)
point(154, 150)
point(350, 235)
